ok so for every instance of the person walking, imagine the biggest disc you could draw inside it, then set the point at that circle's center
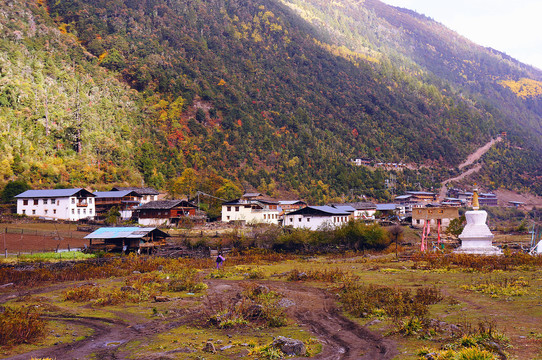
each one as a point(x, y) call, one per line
point(220, 260)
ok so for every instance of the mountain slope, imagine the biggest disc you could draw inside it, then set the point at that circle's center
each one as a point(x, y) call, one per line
point(269, 94)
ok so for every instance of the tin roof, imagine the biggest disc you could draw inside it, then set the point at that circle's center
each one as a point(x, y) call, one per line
point(138, 190)
point(320, 210)
point(54, 193)
point(112, 194)
point(124, 233)
point(386, 207)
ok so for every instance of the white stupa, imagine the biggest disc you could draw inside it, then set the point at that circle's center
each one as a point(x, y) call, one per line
point(476, 237)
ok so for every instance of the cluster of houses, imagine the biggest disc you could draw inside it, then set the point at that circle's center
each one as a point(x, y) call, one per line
point(131, 203)
point(144, 206)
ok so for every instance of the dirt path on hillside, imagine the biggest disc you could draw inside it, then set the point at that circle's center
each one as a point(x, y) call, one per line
point(471, 159)
point(313, 309)
point(479, 153)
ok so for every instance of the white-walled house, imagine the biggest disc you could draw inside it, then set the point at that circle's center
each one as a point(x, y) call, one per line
point(251, 211)
point(57, 204)
point(317, 218)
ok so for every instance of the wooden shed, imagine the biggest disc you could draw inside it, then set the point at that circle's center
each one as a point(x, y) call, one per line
point(126, 239)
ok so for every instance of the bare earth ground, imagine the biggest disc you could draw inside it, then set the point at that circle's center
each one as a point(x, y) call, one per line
point(530, 200)
point(15, 243)
point(313, 309)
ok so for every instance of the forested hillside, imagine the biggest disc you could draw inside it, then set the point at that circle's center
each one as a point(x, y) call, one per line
point(224, 94)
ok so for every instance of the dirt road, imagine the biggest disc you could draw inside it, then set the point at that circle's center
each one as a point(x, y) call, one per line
point(475, 156)
point(312, 308)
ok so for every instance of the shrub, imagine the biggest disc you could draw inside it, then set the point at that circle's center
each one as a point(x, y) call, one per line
point(369, 300)
point(18, 326)
point(82, 293)
point(185, 280)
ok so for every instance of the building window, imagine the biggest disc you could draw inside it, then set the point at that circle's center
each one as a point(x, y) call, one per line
point(25, 202)
point(227, 217)
point(73, 200)
point(54, 211)
point(291, 220)
point(44, 201)
point(36, 201)
point(237, 208)
point(228, 208)
point(308, 219)
point(89, 200)
point(299, 219)
point(58, 202)
point(90, 211)
point(33, 212)
point(45, 211)
point(24, 212)
point(73, 211)
point(84, 211)
point(78, 211)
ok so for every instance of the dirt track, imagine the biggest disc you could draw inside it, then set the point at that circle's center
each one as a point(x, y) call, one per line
point(312, 308)
point(475, 156)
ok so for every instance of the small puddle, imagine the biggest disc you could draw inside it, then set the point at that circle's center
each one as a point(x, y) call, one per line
point(113, 343)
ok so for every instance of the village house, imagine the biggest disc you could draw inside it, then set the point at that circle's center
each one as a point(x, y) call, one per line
point(454, 202)
point(415, 199)
point(144, 194)
point(168, 212)
point(291, 205)
point(317, 218)
point(387, 210)
point(362, 210)
point(251, 208)
point(125, 201)
point(57, 204)
point(484, 199)
point(438, 217)
point(487, 199)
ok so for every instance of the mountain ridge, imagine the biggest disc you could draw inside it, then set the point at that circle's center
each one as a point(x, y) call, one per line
point(251, 94)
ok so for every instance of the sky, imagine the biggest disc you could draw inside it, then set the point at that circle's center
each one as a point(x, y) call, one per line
point(511, 26)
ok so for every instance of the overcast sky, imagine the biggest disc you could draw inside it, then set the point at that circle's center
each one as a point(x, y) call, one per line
point(513, 27)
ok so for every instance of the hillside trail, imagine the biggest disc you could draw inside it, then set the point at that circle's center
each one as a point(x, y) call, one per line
point(312, 308)
point(471, 159)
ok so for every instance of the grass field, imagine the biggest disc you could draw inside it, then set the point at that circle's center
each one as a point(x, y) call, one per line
point(479, 306)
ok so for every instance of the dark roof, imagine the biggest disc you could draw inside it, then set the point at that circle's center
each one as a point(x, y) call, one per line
point(113, 194)
point(246, 195)
point(358, 205)
point(166, 204)
point(54, 193)
point(319, 210)
point(386, 207)
point(291, 202)
point(421, 193)
point(138, 190)
point(266, 201)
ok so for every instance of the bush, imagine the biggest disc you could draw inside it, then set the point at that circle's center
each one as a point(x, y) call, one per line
point(18, 326)
point(369, 300)
point(82, 293)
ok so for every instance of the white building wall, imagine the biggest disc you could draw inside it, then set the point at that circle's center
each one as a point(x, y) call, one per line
point(249, 215)
point(311, 222)
point(420, 223)
point(65, 208)
point(154, 222)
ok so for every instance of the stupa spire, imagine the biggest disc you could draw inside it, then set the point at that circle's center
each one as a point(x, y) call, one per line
point(475, 202)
